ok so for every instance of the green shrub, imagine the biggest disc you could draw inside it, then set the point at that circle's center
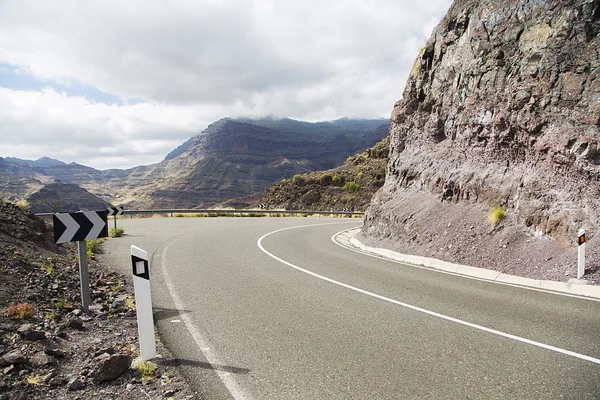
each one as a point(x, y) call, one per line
point(147, 369)
point(116, 232)
point(336, 180)
point(298, 179)
point(495, 215)
point(22, 204)
point(93, 247)
point(325, 179)
point(351, 187)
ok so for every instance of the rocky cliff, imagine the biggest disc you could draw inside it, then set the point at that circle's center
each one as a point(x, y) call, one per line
point(501, 108)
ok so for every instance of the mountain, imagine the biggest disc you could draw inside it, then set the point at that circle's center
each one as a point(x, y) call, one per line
point(229, 159)
point(233, 158)
point(63, 197)
point(501, 109)
point(40, 162)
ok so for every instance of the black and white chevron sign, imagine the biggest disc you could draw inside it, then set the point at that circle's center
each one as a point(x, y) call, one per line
point(78, 226)
point(262, 206)
point(118, 210)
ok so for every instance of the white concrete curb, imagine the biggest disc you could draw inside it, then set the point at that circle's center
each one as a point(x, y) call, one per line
point(347, 238)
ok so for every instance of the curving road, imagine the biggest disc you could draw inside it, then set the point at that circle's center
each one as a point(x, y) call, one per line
point(272, 308)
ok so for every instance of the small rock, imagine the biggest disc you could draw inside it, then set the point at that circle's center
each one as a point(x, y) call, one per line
point(103, 353)
point(74, 323)
point(75, 384)
point(55, 381)
point(24, 328)
point(117, 305)
point(169, 393)
point(9, 370)
point(567, 273)
point(40, 359)
point(33, 335)
point(46, 378)
point(14, 357)
point(110, 367)
point(76, 312)
point(54, 352)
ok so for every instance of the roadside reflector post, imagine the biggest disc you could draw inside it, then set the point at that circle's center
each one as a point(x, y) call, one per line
point(84, 280)
point(580, 254)
point(143, 302)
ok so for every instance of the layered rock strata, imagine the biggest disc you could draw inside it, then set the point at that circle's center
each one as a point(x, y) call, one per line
point(501, 108)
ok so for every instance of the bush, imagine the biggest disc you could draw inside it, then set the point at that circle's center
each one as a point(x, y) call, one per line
point(496, 215)
point(20, 311)
point(22, 204)
point(351, 187)
point(93, 246)
point(336, 180)
point(298, 180)
point(147, 369)
point(325, 179)
point(116, 232)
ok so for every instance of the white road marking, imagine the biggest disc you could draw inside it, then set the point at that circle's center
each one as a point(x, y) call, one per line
point(228, 379)
point(475, 278)
point(419, 309)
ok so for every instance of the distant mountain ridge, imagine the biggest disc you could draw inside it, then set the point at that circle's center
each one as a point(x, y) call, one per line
point(40, 162)
point(230, 158)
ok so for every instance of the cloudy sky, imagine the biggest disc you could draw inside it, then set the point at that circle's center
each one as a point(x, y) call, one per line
point(115, 84)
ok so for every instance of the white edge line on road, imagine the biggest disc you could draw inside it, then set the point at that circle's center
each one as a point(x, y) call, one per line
point(232, 385)
point(441, 271)
point(432, 313)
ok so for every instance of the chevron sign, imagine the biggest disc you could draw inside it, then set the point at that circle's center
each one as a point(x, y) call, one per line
point(118, 210)
point(78, 226)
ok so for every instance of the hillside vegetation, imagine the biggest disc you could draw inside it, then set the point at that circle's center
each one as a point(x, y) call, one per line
point(351, 185)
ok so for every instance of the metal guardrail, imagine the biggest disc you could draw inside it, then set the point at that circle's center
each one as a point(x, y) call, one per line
point(229, 211)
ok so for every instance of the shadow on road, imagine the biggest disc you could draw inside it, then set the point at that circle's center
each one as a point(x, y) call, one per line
point(179, 361)
point(166, 313)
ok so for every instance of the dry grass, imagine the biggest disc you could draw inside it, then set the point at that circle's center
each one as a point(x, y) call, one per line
point(20, 311)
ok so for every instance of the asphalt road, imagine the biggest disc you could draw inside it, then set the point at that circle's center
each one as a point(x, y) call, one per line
point(292, 315)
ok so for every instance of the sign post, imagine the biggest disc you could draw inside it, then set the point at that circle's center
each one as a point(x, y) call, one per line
point(580, 254)
point(79, 227)
point(143, 302)
point(84, 281)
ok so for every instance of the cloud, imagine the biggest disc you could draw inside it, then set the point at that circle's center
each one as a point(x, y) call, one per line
point(192, 62)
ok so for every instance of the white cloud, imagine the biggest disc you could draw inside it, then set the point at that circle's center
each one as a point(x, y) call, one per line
point(196, 61)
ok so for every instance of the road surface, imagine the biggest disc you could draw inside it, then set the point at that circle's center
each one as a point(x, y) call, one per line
point(272, 308)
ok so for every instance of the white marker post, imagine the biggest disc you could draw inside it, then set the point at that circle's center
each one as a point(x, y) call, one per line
point(580, 254)
point(143, 302)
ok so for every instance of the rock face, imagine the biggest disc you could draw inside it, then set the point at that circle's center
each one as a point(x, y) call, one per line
point(501, 108)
